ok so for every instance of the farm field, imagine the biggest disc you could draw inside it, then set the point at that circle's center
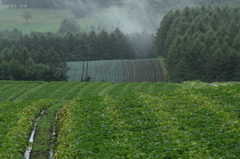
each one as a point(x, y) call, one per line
point(49, 20)
point(125, 120)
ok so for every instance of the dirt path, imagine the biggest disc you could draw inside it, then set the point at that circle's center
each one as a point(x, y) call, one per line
point(43, 142)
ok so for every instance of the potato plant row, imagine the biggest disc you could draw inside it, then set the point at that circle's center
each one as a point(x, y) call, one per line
point(190, 123)
point(126, 119)
point(16, 123)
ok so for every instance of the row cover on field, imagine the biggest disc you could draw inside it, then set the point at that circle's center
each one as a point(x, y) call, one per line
point(197, 123)
point(116, 70)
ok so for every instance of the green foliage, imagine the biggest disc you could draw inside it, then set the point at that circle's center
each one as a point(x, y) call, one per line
point(69, 24)
point(20, 119)
point(188, 120)
point(68, 46)
point(200, 43)
point(175, 124)
point(20, 66)
point(27, 15)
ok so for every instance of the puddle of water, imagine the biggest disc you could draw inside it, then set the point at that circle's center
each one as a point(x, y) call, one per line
point(51, 155)
point(31, 139)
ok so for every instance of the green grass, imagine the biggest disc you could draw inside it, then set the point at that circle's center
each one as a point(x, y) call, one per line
point(43, 19)
point(10, 91)
point(49, 20)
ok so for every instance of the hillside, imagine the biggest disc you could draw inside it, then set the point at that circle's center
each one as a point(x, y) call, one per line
point(135, 120)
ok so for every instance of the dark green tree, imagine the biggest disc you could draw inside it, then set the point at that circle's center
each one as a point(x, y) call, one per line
point(41, 56)
point(69, 24)
point(23, 55)
point(27, 15)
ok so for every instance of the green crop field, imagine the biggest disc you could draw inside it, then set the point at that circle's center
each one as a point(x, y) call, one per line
point(49, 20)
point(124, 120)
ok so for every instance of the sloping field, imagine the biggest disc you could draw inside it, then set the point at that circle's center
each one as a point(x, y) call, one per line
point(142, 70)
point(183, 124)
point(125, 120)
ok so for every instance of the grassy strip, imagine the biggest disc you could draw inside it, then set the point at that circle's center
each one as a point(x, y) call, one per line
point(43, 138)
point(43, 91)
point(12, 90)
point(18, 94)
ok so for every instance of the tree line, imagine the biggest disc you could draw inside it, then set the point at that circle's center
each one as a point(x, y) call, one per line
point(79, 46)
point(152, 11)
point(22, 64)
point(201, 43)
point(48, 52)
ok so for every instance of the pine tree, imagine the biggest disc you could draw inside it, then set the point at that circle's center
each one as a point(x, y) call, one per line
point(53, 60)
point(216, 66)
point(103, 42)
point(69, 24)
point(93, 48)
point(24, 55)
point(173, 59)
point(7, 54)
point(41, 56)
point(230, 65)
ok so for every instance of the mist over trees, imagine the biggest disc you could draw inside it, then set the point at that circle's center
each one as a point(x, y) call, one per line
point(201, 44)
point(82, 46)
point(149, 13)
point(56, 3)
point(69, 24)
point(43, 56)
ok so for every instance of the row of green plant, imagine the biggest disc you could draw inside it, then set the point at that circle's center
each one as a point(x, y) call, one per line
point(22, 102)
point(16, 123)
point(191, 123)
point(10, 91)
point(29, 91)
point(25, 91)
